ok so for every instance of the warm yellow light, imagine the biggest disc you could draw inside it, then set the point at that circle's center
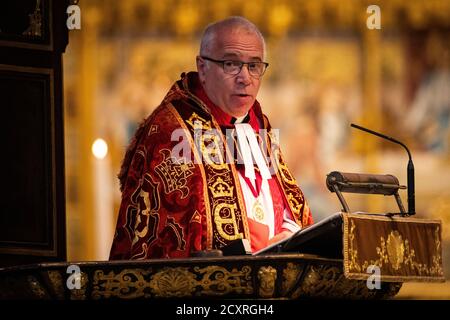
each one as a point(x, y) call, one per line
point(99, 148)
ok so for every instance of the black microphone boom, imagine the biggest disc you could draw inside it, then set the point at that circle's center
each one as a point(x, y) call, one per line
point(410, 169)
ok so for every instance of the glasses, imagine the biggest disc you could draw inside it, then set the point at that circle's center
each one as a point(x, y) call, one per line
point(256, 69)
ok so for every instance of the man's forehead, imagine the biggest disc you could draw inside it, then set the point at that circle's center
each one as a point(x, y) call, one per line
point(238, 44)
point(257, 56)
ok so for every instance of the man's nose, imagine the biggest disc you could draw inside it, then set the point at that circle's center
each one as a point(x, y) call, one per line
point(244, 76)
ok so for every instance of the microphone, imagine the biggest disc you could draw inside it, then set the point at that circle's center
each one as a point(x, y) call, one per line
point(410, 168)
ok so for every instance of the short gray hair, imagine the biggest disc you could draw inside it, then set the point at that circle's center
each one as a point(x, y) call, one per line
point(235, 22)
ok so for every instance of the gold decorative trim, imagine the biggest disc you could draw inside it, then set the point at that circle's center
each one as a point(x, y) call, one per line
point(57, 283)
point(240, 196)
point(376, 217)
point(218, 280)
point(194, 118)
point(154, 128)
point(172, 282)
point(174, 173)
point(395, 247)
point(221, 189)
point(80, 294)
point(302, 276)
point(290, 189)
point(144, 206)
point(36, 288)
point(224, 209)
point(290, 276)
point(395, 252)
point(324, 281)
point(127, 284)
point(196, 152)
point(267, 277)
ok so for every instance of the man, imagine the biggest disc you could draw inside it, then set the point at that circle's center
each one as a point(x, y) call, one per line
point(175, 204)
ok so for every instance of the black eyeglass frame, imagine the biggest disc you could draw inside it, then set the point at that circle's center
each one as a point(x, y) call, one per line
point(222, 62)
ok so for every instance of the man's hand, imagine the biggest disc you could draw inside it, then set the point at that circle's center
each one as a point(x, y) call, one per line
point(282, 235)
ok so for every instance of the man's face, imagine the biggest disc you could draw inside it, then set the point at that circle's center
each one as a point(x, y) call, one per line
point(234, 94)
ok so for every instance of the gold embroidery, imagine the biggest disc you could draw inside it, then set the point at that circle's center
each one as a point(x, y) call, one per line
point(294, 204)
point(196, 217)
point(141, 254)
point(221, 189)
point(352, 251)
point(225, 220)
point(174, 173)
point(395, 251)
point(267, 277)
point(237, 195)
point(258, 211)
point(143, 213)
point(437, 259)
point(178, 231)
point(154, 128)
point(197, 122)
point(211, 172)
point(290, 188)
point(212, 153)
point(283, 169)
point(195, 150)
point(240, 202)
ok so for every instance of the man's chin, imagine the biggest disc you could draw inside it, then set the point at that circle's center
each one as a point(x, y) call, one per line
point(240, 110)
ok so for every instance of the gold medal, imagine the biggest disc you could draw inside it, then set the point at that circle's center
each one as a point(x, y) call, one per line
point(258, 211)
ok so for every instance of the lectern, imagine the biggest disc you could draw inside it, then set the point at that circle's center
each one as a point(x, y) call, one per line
point(348, 255)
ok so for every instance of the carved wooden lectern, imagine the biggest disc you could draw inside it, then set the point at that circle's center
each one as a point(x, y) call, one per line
point(331, 259)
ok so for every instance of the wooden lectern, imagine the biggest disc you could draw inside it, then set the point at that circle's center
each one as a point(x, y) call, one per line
point(335, 258)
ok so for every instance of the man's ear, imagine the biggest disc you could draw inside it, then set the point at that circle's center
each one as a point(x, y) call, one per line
point(201, 68)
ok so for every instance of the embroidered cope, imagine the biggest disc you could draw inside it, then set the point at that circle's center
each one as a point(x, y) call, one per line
point(179, 192)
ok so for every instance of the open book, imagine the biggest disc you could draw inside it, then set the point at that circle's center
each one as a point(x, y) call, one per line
point(322, 238)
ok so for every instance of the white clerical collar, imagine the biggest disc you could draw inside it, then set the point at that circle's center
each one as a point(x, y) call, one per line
point(240, 119)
